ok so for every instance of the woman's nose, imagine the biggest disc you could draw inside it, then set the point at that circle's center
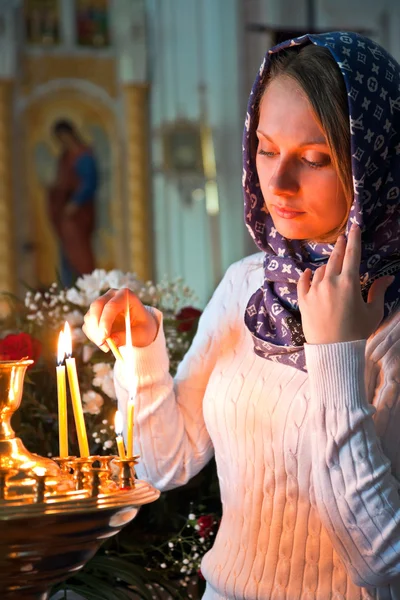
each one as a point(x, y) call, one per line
point(284, 180)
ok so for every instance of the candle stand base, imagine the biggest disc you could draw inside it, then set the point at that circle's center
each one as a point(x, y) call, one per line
point(54, 515)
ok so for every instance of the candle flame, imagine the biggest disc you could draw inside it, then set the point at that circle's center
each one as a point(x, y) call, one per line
point(118, 423)
point(67, 340)
point(61, 348)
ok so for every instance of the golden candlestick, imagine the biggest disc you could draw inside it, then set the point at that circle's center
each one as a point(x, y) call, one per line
point(68, 511)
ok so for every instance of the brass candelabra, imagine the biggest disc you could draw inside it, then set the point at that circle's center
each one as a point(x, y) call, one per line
point(55, 514)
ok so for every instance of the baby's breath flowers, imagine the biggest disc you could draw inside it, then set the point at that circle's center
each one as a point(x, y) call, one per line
point(183, 553)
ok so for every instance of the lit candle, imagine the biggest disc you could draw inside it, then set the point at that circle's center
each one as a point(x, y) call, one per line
point(75, 395)
point(129, 442)
point(114, 349)
point(129, 380)
point(62, 399)
point(118, 430)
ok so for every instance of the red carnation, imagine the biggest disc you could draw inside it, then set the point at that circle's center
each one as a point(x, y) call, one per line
point(187, 318)
point(16, 346)
point(206, 524)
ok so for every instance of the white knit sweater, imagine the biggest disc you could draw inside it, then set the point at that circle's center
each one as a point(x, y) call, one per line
point(308, 465)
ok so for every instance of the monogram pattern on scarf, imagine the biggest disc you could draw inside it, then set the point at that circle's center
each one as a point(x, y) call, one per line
point(372, 79)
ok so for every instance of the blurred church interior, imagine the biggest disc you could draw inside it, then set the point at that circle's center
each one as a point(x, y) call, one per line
point(157, 89)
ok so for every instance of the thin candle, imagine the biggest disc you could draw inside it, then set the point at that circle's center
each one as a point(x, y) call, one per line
point(130, 382)
point(118, 430)
point(62, 399)
point(129, 441)
point(114, 349)
point(75, 395)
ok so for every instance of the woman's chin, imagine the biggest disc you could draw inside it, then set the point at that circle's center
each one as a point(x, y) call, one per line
point(293, 232)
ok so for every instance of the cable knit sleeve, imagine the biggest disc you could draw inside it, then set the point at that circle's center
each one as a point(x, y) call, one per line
point(170, 433)
point(356, 491)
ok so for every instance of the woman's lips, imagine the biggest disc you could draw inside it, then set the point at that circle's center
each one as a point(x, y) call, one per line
point(286, 213)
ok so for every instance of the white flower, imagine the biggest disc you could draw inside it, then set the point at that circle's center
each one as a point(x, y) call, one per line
point(93, 285)
point(78, 336)
point(104, 379)
point(87, 352)
point(75, 318)
point(115, 279)
point(108, 444)
point(76, 297)
point(92, 402)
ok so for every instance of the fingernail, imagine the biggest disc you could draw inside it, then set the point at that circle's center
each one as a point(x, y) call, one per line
point(354, 226)
point(104, 347)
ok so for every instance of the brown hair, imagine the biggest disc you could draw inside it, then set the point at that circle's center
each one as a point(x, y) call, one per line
point(314, 69)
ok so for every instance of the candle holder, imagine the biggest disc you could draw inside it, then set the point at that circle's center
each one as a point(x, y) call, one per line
point(69, 504)
point(126, 471)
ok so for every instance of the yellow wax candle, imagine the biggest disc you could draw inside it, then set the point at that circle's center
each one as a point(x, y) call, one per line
point(118, 430)
point(62, 400)
point(129, 381)
point(129, 444)
point(114, 349)
point(75, 396)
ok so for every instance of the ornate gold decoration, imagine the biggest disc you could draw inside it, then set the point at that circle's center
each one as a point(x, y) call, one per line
point(6, 188)
point(69, 509)
point(37, 70)
point(138, 178)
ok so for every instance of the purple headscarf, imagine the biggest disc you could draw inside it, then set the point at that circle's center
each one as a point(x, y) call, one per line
point(372, 79)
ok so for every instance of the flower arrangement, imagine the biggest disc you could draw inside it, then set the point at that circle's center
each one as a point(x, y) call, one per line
point(168, 545)
point(38, 322)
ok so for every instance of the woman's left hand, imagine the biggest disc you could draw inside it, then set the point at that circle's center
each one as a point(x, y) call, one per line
point(331, 305)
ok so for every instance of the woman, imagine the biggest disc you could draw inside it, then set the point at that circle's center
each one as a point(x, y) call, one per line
point(292, 379)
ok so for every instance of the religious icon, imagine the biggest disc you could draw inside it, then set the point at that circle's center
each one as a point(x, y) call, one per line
point(42, 22)
point(183, 149)
point(71, 202)
point(92, 22)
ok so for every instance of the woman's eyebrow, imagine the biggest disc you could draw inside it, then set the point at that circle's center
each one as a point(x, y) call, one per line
point(313, 142)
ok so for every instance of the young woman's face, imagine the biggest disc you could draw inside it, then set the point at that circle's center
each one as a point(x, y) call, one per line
point(301, 188)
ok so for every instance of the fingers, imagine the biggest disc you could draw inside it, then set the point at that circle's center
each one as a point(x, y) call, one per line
point(335, 263)
point(376, 294)
point(304, 284)
point(105, 314)
point(319, 274)
point(352, 258)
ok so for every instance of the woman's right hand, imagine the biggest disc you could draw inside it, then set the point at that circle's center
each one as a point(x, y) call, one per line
point(106, 318)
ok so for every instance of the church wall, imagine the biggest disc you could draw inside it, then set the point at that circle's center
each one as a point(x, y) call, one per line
point(194, 72)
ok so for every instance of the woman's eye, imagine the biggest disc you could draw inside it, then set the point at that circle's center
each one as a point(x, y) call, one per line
point(266, 153)
point(317, 164)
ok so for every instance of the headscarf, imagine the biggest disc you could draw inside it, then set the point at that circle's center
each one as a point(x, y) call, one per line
point(372, 79)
